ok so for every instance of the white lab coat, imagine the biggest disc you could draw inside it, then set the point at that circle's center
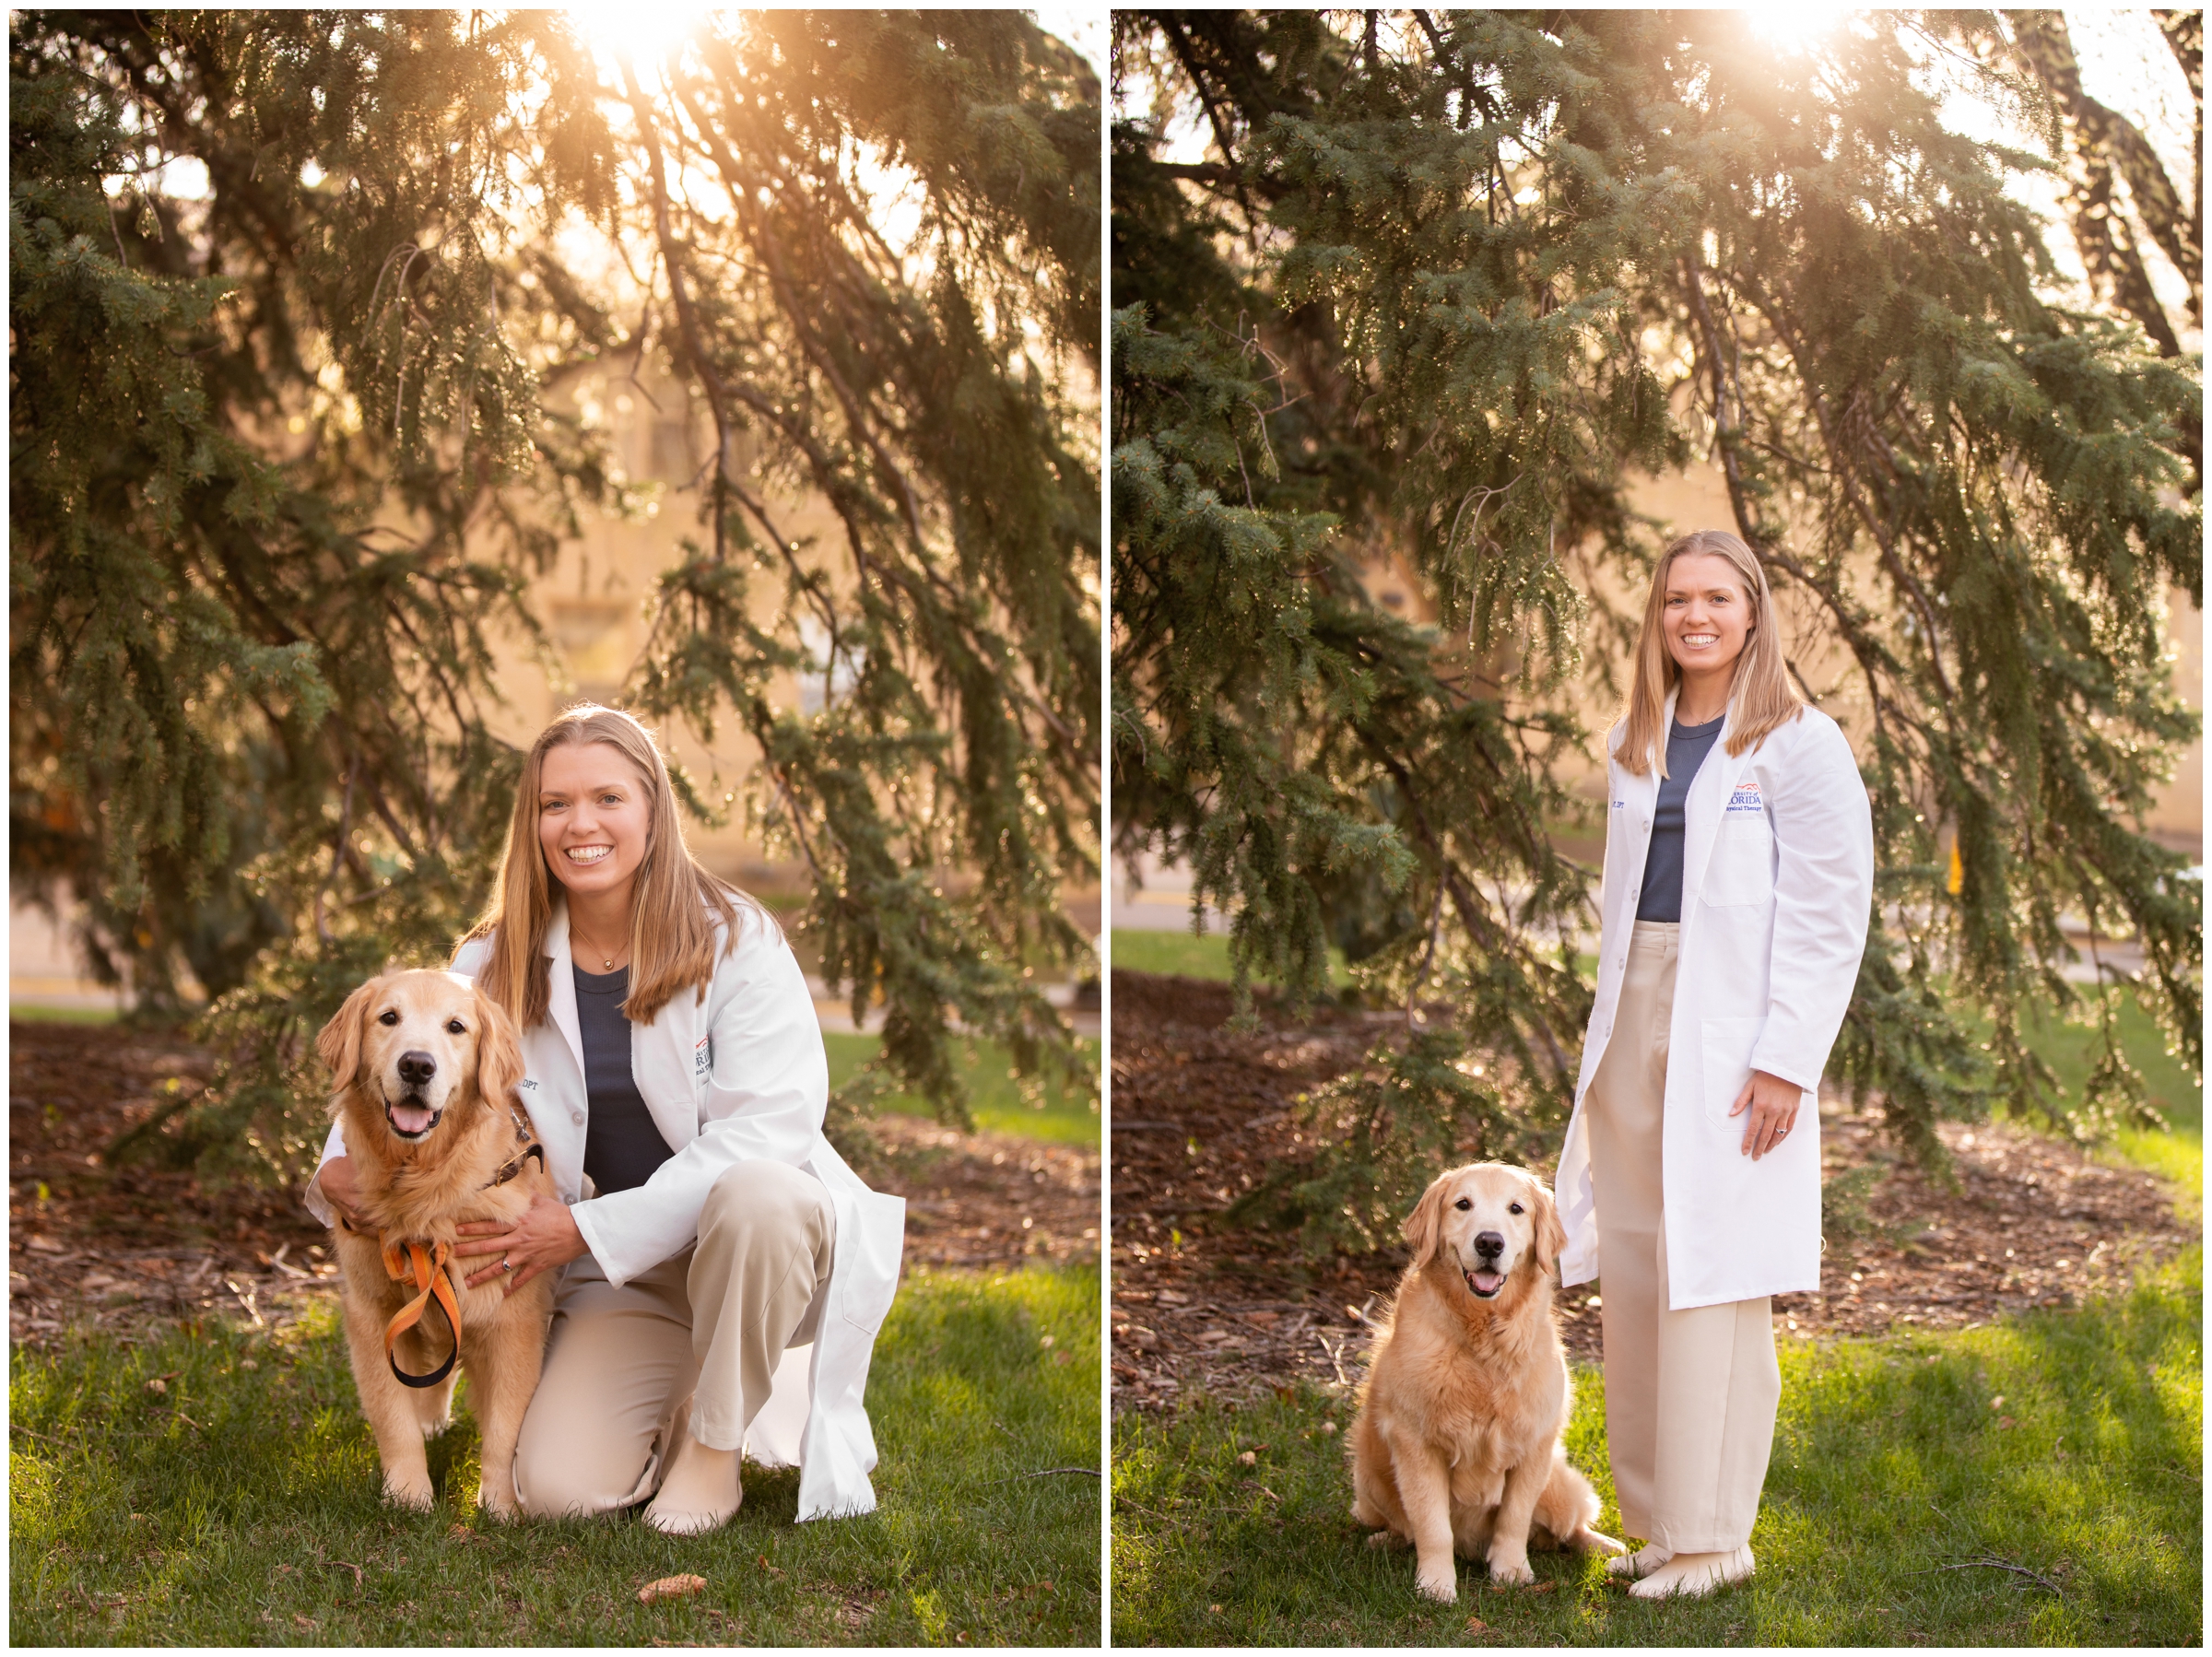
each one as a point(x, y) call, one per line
point(1777, 881)
point(740, 1076)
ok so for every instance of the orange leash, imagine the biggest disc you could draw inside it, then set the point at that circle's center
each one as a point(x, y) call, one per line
point(432, 1277)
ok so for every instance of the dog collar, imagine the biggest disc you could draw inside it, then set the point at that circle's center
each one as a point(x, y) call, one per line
point(514, 1167)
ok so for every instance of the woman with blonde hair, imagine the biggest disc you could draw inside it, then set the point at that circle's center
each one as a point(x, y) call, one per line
point(1738, 877)
point(722, 1272)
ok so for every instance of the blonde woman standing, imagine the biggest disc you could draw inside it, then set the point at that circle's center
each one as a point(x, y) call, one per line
point(1739, 871)
point(722, 1272)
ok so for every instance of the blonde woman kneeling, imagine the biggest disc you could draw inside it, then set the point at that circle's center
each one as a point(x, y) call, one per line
point(717, 1259)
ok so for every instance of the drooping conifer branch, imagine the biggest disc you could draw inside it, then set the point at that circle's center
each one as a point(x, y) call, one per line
point(270, 522)
point(1654, 211)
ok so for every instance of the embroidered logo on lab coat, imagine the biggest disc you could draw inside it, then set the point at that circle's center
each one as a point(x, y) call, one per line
point(1745, 798)
point(703, 1057)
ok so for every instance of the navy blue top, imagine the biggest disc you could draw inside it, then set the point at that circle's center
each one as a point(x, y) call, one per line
point(1687, 747)
point(623, 1143)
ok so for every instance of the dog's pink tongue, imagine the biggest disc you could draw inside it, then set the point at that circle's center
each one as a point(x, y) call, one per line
point(410, 1119)
point(1487, 1282)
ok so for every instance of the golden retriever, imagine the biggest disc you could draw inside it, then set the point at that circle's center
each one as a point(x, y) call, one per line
point(1456, 1446)
point(426, 1072)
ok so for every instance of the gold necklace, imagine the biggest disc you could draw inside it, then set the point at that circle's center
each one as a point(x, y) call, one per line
point(607, 961)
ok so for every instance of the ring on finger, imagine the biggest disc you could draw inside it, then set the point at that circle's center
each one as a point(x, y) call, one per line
point(506, 1264)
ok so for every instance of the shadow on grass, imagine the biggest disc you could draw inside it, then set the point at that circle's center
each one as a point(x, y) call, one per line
point(1917, 1481)
point(240, 1507)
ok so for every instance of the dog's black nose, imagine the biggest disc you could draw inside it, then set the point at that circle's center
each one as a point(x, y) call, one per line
point(415, 1068)
point(1489, 1245)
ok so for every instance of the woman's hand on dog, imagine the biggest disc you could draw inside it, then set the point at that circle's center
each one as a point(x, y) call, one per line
point(335, 1179)
point(1773, 1105)
point(544, 1240)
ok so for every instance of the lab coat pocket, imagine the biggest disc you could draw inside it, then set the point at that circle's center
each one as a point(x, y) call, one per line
point(1742, 866)
point(1728, 1044)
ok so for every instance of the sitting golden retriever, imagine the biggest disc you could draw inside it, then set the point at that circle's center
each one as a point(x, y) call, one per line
point(1457, 1441)
point(427, 1073)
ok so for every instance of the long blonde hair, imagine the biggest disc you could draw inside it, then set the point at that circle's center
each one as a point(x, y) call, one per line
point(675, 907)
point(1760, 695)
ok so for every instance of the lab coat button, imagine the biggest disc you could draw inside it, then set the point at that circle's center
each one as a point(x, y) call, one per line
point(576, 1117)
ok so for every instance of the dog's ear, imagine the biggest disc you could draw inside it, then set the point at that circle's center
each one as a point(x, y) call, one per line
point(340, 1042)
point(498, 1054)
point(1424, 1227)
point(1551, 1236)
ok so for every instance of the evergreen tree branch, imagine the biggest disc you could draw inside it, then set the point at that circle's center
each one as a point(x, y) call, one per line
point(1897, 394)
point(1845, 468)
point(2104, 140)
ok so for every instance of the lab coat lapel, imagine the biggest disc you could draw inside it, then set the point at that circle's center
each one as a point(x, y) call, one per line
point(1639, 798)
point(1635, 799)
point(561, 996)
point(1702, 807)
point(1638, 794)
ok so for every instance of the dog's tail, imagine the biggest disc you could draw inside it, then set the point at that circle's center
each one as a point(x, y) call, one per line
point(1569, 1508)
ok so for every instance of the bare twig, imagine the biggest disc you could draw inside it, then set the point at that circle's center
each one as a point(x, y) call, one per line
point(1047, 1472)
point(1993, 1565)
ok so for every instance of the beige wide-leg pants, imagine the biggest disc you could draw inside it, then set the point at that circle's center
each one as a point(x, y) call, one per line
point(709, 1324)
point(1691, 1396)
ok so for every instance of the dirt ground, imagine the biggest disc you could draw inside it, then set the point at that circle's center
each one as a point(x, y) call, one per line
point(1200, 1306)
point(118, 1248)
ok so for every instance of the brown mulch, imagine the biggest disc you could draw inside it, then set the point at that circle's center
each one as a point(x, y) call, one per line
point(121, 1248)
point(1200, 1305)
point(979, 1200)
point(115, 1248)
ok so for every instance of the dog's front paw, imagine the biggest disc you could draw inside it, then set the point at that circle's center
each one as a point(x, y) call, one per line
point(495, 1496)
point(1511, 1570)
point(415, 1494)
point(1439, 1583)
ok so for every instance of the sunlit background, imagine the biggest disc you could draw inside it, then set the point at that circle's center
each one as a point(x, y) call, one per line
point(2125, 62)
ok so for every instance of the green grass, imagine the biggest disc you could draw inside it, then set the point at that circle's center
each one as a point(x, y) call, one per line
point(2070, 1047)
point(1141, 951)
point(26, 1011)
point(994, 1097)
point(1887, 1468)
point(129, 1527)
point(1890, 1466)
